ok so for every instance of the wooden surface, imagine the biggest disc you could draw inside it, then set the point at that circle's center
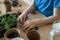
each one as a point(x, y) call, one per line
point(44, 30)
point(20, 8)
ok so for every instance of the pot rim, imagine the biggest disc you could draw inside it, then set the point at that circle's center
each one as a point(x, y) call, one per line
point(7, 32)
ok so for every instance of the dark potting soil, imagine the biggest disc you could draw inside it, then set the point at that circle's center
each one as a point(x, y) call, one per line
point(13, 35)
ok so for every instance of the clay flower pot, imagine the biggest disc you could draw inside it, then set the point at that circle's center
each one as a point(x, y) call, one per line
point(12, 33)
point(33, 35)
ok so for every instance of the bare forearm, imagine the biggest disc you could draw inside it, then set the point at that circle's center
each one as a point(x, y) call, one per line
point(48, 20)
point(30, 8)
point(51, 19)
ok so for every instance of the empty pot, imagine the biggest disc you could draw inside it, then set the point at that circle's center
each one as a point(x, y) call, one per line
point(33, 35)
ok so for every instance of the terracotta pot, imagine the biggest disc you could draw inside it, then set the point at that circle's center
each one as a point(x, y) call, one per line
point(8, 6)
point(12, 33)
point(33, 35)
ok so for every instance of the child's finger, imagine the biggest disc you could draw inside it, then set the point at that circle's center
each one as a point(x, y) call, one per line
point(26, 27)
point(25, 24)
point(31, 27)
point(22, 20)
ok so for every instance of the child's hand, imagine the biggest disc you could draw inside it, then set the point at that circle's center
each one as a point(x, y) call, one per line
point(30, 24)
point(22, 18)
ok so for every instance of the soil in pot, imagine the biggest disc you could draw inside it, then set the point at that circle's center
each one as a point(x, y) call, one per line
point(33, 35)
point(13, 35)
point(8, 5)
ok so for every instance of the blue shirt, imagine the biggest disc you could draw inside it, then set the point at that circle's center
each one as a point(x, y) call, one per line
point(46, 7)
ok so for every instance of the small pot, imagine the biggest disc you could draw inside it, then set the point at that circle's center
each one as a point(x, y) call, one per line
point(33, 35)
point(8, 6)
point(2, 30)
point(12, 33)
point(14, 3)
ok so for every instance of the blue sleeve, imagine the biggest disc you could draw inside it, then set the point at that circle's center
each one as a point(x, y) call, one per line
point(56, 3)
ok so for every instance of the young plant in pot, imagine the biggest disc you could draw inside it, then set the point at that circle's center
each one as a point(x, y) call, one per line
point(7, 22)
point(33, 35)
point(11, 20)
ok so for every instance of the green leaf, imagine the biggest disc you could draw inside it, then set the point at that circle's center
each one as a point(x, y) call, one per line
point(8, 20)
point(7, 27)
